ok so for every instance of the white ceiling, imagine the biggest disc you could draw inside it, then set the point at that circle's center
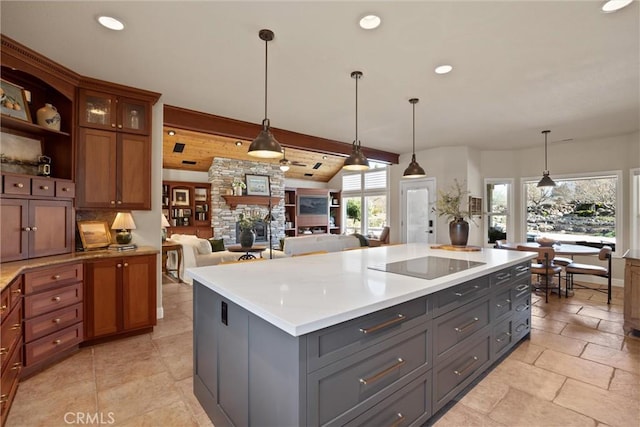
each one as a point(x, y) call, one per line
point(520, 66)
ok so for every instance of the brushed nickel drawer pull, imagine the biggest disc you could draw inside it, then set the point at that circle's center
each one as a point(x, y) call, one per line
point(399, 421)
point(466, 368)
point(55, 299)
point(57, 320)
point(3, 351)
point(501, 276)
point(507, 301)
point(522, 307)
point(472, 290)
point(521, 327)
point(467, 326)
point(506, 334)
point(398, 318)
point(522, 268)
point(56, 342)
point(44, 187)
point(19, 185)
point(400, 363)
point(522, 287)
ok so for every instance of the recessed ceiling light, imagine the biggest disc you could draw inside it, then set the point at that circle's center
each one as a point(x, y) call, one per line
point(443, 69)
point(613, 5)
point(324, 157)
point(238, 143)
point(370, 22)
point(171, 132)
point(111, 23)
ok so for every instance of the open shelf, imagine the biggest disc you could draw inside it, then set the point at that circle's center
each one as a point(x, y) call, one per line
point(234, 201)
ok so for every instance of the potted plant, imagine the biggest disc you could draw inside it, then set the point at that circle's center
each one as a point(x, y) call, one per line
point(450, 204)
point(247, 235)
point(238, 186)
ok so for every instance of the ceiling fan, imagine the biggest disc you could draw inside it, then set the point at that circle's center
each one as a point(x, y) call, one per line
point(286, 163)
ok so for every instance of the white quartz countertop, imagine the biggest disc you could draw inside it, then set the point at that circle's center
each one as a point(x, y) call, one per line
point(304, 294)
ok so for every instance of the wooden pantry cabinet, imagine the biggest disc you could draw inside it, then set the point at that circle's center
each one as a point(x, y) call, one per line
point(120, 296)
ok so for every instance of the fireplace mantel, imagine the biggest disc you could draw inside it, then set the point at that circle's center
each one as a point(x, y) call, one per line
point(234, 201)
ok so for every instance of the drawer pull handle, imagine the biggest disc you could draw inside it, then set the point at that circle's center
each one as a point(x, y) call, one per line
point(19, 185)
point(4, 398)
point(466, 368)
point(56, 277)
point(65, 189)
point(16, 365)
point(55, 299)
point(467, 326)
point(470, 291)
point(15, 327)
point(56, 342)
point(522, 287)
point(57, 320)
point(17, 291)
point(507, 301)
point(522, 268)
point(502, 276)
point(400, 419)
point(522, 307)
point(400, 363)
point(3, 308)
point(398, 318)
point(503, 337)
point(3, 351)
point(521, 327)
point(44, 187)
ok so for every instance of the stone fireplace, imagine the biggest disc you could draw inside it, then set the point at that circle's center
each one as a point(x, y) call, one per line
point(224, 220)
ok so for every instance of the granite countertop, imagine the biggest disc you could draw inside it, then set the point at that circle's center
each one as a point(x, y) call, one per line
point(303, 294)
point(10, 270)
point(632, 254)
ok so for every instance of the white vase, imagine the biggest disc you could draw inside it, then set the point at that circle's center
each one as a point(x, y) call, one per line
point(49, 117)
point(237, 191)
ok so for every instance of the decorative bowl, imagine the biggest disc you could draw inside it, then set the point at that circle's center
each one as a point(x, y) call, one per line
point(545, 242)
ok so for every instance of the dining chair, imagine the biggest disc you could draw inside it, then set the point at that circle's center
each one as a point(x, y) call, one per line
point(545, 268)
point(499, 244)
point(594, 270)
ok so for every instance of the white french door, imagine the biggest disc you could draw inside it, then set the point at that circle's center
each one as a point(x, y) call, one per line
point(417, 198)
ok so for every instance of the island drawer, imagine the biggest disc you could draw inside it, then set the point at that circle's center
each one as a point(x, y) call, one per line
point(452, 298)
point(11, 332)
point(521, 325)
point(11, 296)
point(502, 303)
point(51, 322)
point(336, 342)
point(50, 345)
point(502, 336)
point(342, 386)
point(411, 405)
point(44, 302)
point(453, 328)
point(521, 270)
point(37, 281)
point(451, 376)
point(9, 381)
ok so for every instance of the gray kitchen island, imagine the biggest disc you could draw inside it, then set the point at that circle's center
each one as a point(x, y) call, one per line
point(379, 336)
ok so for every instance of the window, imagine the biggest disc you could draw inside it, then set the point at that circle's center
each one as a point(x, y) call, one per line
point(635, 209)
point(499, 208)
point(364, 194)
point(581, 209)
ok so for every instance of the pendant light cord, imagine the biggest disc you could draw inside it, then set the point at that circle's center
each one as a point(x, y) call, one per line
point(414, 130)
point(356, 140)
point(546, 132)
point(266, 55)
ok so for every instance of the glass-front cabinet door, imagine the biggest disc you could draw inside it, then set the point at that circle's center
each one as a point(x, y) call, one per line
point(97, 110)
point(132, 116)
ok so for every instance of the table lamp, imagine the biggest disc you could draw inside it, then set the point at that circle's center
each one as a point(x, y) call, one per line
point(165, 225)
point(123, 223)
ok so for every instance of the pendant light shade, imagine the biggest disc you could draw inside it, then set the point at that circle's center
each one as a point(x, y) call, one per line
point(265, 145)
point(414, 170)
point(357, 160)
point(284, 163)
point(546, 180)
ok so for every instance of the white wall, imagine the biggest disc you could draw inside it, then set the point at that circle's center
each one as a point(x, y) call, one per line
point(188, 176)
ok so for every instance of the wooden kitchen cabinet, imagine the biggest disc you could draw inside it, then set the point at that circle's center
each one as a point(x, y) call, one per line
point(632, 292)
point(100, 110)
point(114, 170)
point(10, 344)
point(120, 296)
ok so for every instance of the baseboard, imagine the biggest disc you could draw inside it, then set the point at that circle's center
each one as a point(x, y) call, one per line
point(159, 312)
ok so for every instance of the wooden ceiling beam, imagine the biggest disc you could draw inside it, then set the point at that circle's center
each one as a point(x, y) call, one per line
point(182, 118)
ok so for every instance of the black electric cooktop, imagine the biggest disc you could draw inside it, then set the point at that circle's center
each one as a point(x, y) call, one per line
point(429, 267)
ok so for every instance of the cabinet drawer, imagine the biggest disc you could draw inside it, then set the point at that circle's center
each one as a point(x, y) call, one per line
point(11, 333)
point(453, 328)
point(45, 302)
point(409, 405)
point(521, 289)
point(42, 187)
point(333, 343)
point(521, 326)
point(449, 299)
point(9, 382)
point(502, 336)
point(343, 385)
point(51, 322)
point(52, 277)
point(459, 368)
point(11, 296)
point(502, 303)
point(521, 270)
point(50, 345)
point(501, 277)
point(16, 185)
point(65, 189)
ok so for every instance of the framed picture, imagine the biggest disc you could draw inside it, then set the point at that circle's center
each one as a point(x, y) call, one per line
point(257, 185)
point(475, 206)
point(13, 101)
point(180, 197)
point(94, 234)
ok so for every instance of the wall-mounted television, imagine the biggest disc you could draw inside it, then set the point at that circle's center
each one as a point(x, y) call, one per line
point(313, 205)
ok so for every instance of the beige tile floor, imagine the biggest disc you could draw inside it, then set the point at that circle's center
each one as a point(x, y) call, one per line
point(577, 369)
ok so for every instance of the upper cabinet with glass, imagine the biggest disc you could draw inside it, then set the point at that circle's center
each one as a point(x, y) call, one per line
point(106, 111)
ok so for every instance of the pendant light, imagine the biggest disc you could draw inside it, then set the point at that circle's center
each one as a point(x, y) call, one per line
point(265, 145)
point(546, 180)
point(414, 170)
point(356, 161)
point(284, 163)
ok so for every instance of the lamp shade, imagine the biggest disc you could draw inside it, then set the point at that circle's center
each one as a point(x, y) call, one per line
point(165, 223)
point(123, 221)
